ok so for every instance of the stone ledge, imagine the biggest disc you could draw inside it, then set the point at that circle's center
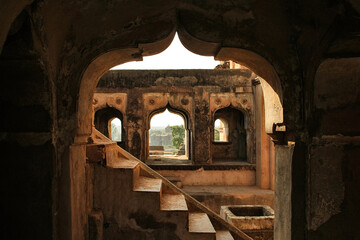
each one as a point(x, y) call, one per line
point(244, 166)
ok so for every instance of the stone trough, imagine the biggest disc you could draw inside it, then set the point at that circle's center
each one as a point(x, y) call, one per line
point(255, 220)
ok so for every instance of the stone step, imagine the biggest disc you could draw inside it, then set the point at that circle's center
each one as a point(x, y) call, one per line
point(146, 184)
point(200, 223)
point(173, 202)
point(124, 163)
point(130, 169)
point(223, 235)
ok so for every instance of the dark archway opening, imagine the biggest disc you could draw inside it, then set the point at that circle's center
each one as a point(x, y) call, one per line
point(229, 142)
point(109, 121)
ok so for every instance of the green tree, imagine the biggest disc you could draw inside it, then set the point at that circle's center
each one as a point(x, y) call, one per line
point(216, 135)
point(178, 135)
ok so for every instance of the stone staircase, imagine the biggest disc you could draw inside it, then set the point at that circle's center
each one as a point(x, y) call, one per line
point(129, 201)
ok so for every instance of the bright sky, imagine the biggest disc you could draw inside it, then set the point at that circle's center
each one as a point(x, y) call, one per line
point(166, 118)
point(176, 56)
point(116, 122)
point(217, 123)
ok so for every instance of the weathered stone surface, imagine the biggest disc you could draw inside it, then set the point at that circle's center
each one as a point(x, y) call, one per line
point(255, 220)
point(336, 83)
point(54, 52)
point(197, 99)
point(326, 198)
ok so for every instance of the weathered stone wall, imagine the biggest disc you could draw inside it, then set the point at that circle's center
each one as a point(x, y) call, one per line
point(198, 94)
point(43, 69)
point(334, 151)
point(27, 151)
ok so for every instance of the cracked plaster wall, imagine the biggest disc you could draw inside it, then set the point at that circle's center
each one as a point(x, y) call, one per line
point(196, 93)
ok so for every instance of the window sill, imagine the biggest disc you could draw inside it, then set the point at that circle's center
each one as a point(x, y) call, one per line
point(221, 143)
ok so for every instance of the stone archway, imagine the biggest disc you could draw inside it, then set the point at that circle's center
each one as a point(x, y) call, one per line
point(105, 61)
point(187, 141)
point(96, 69)
point(268, 77)
point(92, 74)
point(294, 38)
point(232, 135)
point(102, 118)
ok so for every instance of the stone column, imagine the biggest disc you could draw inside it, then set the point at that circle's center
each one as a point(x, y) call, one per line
point(263, 141)
point(77, 163)
point(283, 185)
point(202, 125)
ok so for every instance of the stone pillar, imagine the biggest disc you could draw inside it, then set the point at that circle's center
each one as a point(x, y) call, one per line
point(272, 165)
point(136, 129)
point(283, 185)
point(202, 126)
point(263, 141)
point(77, 164)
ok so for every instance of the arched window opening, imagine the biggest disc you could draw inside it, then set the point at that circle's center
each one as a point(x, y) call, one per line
point(115, 129)
point(168, 137)
point(109, 121)
point(221, 130)
point(229, 135)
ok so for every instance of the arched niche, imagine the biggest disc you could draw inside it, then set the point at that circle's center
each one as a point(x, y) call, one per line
point(233, 147)
point(103, 117)
point(337, 96)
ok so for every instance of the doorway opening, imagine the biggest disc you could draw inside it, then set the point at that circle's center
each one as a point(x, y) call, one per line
point(115, 129)
point(221, 130)
point(109, 121)
point(229, 142)
point(168, 137)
